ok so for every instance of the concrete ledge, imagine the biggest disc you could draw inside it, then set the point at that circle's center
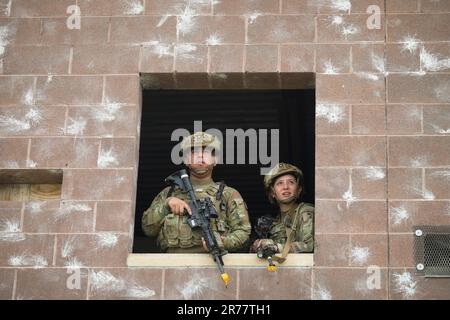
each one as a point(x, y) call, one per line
point(205, 260)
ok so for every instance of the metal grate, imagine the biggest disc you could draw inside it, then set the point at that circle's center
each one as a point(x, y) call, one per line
point(432, 250)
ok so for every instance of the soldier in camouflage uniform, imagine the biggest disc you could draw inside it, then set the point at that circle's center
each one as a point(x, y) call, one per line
point(284, 187)
point(166, 216)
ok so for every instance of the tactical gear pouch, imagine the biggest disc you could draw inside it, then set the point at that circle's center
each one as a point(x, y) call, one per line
point(185, 235)
point(170, 230)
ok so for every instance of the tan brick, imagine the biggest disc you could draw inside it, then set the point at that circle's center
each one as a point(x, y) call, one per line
point(437, 181)
point(39, 8)
point(122, 89)
point(350, 88)
point(105, 59)
point(113, 216)
point(125, 283)
point(331, 250)
point(213, 29)
point(362, 6)
point(261, 58)
point(368, 58)
point(93, 30)
point(404, 119)
point(27, 250)
point(350, 151)
point(191, 58)
point(402, 57)
point(176, 7)
point(350, 217)
point(332, 118)
point(426, 27)
point(102, 121)
point(58, 216)
point(64, 152)
point(402, 6)
point(404, 215)
point(347, 28)
point(111, 7)
point(430, 88)
point(369, 183)
point(15, 154)
point(260, 284)
point(92, 250)
point(434, 6)
point(419, 151)
point(208, 284)
point(349, 284)
point(157, 58)
point(436, 119)
point(281, 29)
point(405, 183)
point(227, 80)
point(434, 57)
point(407, 285)
point(36, 60)
point(118, 153)
point(7, 283)
point(104, 184)
point(51, 284)
point(75, 90)
point(261, 80)
point(21, 31)
point(36, 120)
point(368, 250)
point(297, 58)
point(192, 80)
point(331, 183)
point(299, 7)
point(143, 29)
point(333, 58)
point(368, 119)
point(401, 250)
point(16, 90)
point(226, 58)
point(238, 7)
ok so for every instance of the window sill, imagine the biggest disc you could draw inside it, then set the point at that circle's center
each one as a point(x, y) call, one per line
point(204, 260)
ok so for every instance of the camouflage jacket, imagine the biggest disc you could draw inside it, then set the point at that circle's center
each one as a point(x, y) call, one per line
point(173, 231)
point(301, 220)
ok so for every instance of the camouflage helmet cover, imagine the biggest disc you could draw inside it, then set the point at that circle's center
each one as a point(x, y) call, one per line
point(280, 170)
point(201, 139)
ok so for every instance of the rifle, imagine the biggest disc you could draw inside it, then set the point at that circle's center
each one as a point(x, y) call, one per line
point(262, 229)
point(202, 212)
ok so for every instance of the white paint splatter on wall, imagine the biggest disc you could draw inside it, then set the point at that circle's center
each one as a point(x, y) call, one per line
point(36, 261)
point(186, 21)
point(341, 5)
point(35, 206)
point(367, 75)
point(348, 195)
point(73, 263)
point(104, 281)
point(252, 17)
point(185, 51)
point(67, 209)
point(405, 284)
point(10, 230)
point(329, 68)
point(11, 124)
point(6, 8)
point(419, 161)
point(432, 62)
point(31, 164)
point(359, 255)
point(134, 7)
point(410, 44)
point(214, 40)
point(194, 288)
point(76, 126)
point(322, 293)
point(441, 173)
point(107, 158)
point(68, 246)
point(108, 112)
point(334, 113)
point(162, 20)
point(399, 215)
point(373, 173)
point(160, 49)
point(106, 240)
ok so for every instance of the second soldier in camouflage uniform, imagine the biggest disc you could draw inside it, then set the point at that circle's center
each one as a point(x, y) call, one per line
point(166, 216)
point(284, 187)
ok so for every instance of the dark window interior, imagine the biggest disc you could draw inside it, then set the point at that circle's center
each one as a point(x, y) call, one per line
point(290, 111)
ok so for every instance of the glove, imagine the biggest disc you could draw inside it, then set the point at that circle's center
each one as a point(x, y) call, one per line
point(268, 244)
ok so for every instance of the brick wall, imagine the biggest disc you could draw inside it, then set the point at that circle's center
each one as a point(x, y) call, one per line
point(70, 99)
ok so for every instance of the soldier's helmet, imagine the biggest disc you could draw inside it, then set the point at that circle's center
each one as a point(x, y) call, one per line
point(280, 170)
point(201, 139)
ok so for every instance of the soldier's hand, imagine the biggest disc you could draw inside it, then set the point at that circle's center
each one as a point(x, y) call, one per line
point(255, 245)
point(177, 206)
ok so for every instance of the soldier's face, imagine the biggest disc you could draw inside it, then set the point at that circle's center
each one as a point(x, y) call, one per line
point(201, 162)
point(286, 188)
